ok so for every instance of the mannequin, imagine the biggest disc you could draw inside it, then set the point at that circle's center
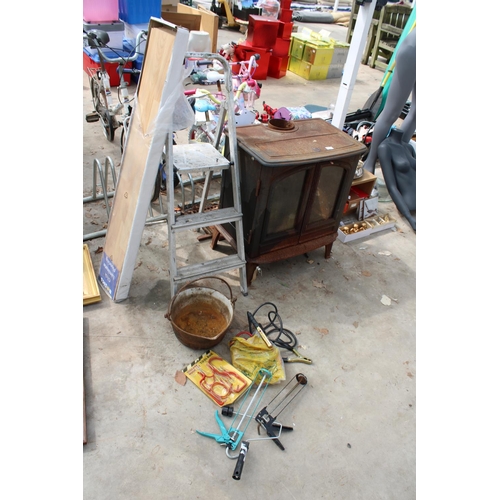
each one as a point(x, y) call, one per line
point(398, 161)
point(404, 83)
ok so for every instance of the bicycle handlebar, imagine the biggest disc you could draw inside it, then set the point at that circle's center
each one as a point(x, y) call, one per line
point(94, 36)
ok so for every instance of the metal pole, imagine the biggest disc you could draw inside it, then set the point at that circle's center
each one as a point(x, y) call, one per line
point(351, 67)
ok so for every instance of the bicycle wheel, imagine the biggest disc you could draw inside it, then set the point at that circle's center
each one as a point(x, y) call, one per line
point(107, 124)
point(100, 103)
point(94, 89)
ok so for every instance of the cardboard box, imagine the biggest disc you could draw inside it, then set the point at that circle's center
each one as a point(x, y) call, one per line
point(373, 225)
point(381, 222)
point(345, 236)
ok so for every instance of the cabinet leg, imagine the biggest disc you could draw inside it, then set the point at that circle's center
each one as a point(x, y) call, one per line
point(215, 237)
point(328, 250)
point(250, 272)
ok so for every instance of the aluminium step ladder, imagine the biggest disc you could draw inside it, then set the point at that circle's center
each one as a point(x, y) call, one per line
point(196, 157)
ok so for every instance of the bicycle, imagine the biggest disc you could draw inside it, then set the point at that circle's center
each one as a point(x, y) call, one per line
point(208, 105)
point(105, 110)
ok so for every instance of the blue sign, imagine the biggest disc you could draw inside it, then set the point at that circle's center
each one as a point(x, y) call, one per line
point(108, 276)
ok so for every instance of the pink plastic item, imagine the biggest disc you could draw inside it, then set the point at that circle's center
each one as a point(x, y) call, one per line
point(100, 11)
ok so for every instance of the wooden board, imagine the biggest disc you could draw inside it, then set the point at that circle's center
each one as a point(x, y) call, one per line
point(152, 117)
point(189, 21)
point(209, 21)
point(91, 292)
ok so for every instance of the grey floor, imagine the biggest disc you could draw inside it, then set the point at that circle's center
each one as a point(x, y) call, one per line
point(355, 421)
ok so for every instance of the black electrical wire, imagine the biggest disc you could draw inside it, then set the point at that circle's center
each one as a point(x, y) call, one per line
point(279, 336)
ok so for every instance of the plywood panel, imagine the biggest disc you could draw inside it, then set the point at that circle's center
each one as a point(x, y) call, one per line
point(160, 78)
point(209, 21)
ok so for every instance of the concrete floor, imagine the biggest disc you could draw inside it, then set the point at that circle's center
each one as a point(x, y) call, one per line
point(354, 423)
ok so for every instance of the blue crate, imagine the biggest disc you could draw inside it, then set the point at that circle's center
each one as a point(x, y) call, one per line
point(138, 11)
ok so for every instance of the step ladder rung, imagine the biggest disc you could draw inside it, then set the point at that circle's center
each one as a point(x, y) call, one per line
point(206, 157)
point(207, 268)
point(200, 156)
point(206, 219)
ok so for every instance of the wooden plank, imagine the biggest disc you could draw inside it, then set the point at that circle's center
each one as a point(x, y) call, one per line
point(209, 21)
point(188, 21)
point(159, 86)
point(91, 292)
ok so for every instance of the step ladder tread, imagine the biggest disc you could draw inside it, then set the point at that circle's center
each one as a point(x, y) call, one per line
point(205, 157)
point(198, 156)
point(205, 219)
point(226, 263)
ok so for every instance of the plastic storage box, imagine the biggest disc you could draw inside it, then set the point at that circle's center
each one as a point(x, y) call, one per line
point(131, 32)
point(100, 11)
point(138, 11)
point(92, 61)
point(115, 31)
point(128, 46)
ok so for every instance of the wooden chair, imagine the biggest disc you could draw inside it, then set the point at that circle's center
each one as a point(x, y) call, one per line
point(392, 21)
point(372, 32)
